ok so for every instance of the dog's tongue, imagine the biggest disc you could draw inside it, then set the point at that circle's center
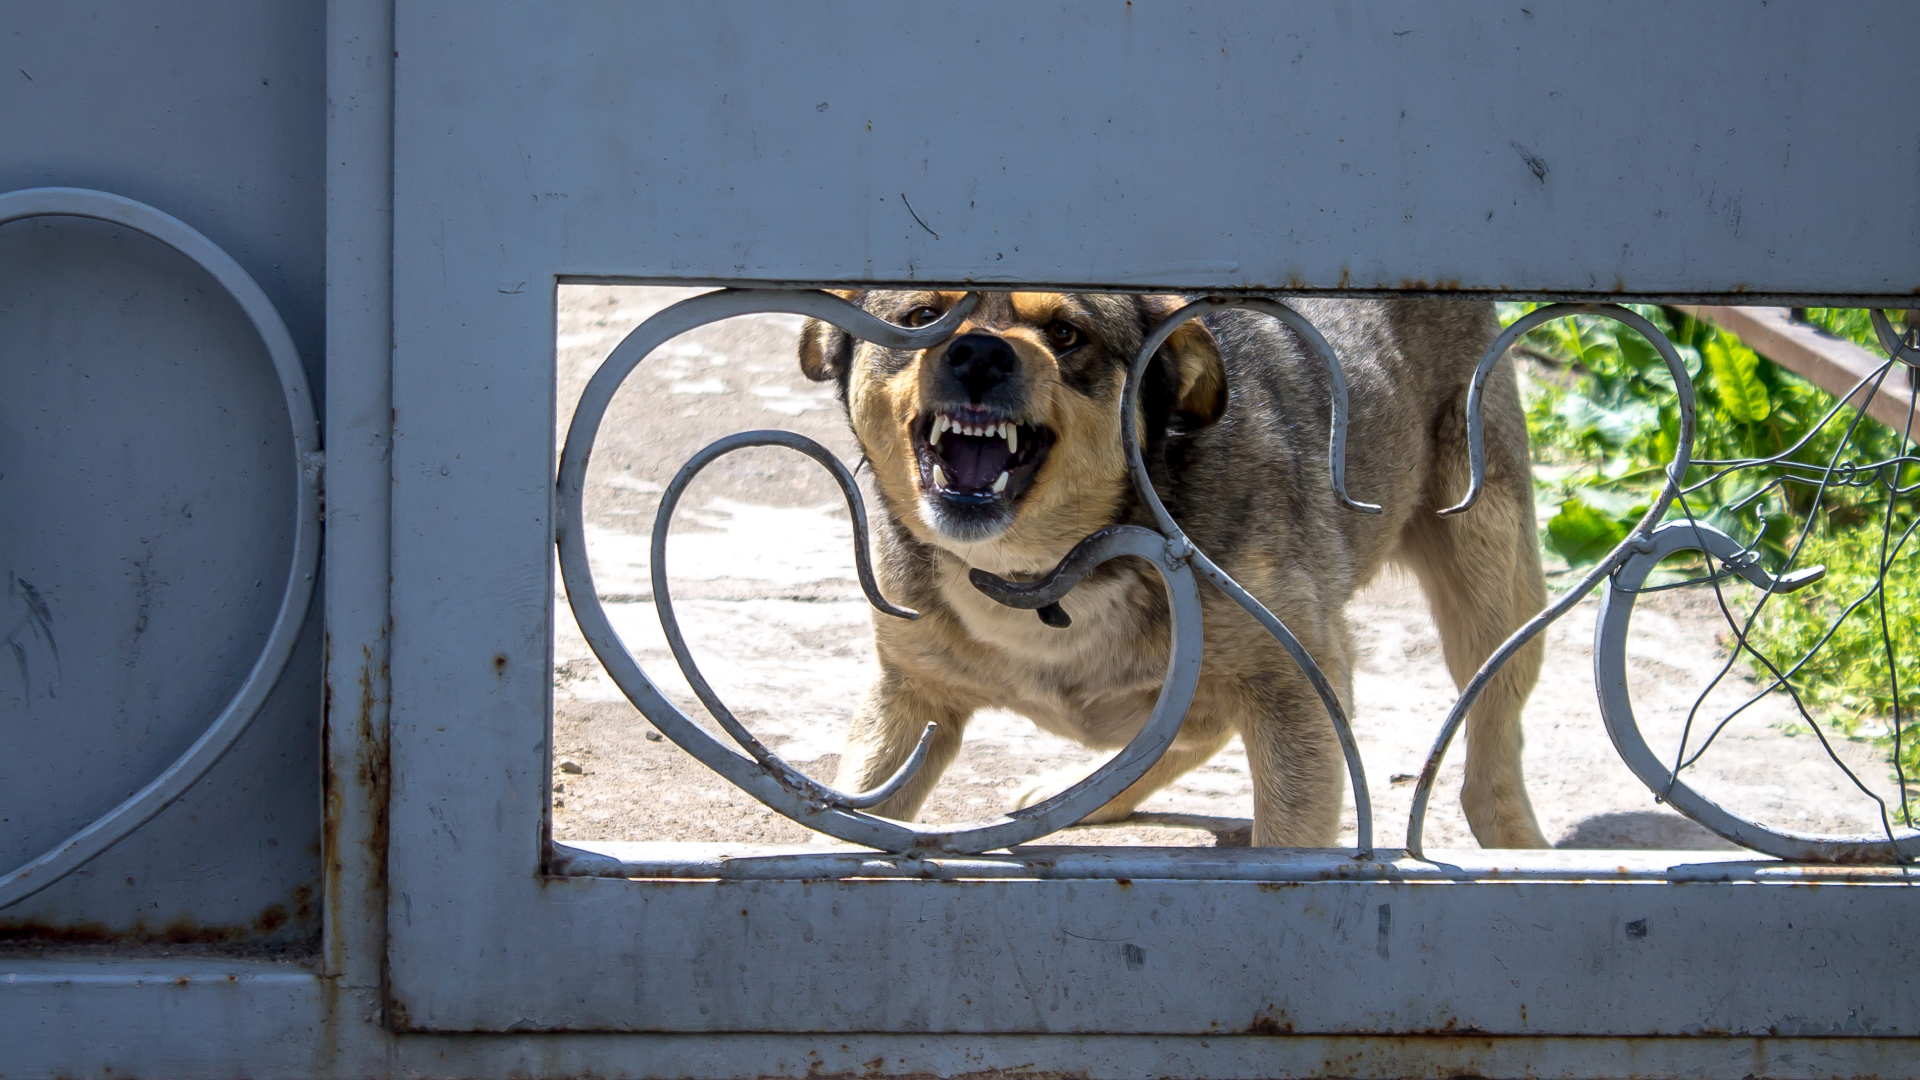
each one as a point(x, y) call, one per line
point(973, 464)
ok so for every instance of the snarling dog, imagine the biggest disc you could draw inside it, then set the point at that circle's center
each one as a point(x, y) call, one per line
point(1000, 449)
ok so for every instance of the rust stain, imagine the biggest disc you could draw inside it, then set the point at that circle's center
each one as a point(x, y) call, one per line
point(83, 933)
point(1346, 277)
point(876, 1069)
point(182, 929)
point(1453, 1026)
point(375, 776)
point(1270, 1021)
point(356, 779)
point(273, 918)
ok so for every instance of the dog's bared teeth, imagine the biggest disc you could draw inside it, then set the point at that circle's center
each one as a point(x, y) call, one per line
point(939, 425)
point(1011, 431)
point(1000, 483)
point(939, 478)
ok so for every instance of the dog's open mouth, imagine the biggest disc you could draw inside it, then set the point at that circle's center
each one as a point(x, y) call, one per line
point(972, 457)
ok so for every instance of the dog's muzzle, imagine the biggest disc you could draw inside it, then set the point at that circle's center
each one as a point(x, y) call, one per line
point(976, 456)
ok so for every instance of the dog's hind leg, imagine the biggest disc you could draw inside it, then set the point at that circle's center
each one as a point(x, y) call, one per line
point(884, 732)
point(1294, 756)
point(1481, 573)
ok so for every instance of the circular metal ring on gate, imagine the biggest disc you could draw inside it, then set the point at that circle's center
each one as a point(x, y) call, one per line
point(809, 803)
point(186, 770)
point(1616, 706)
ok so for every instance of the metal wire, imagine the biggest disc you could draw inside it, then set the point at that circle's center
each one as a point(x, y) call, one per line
point(1617, 711)
point(1834, 473)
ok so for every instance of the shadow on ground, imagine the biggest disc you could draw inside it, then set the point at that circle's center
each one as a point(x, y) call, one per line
point(1642, 830)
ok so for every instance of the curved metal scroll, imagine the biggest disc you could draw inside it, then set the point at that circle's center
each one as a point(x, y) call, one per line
point(863, 564)
point(1616, 704)
point(1337, 469)
point(1904, 349)
point(186, 770)
point(779, 787)
point(1476, 442)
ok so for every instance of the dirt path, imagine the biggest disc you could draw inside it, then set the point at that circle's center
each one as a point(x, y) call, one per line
point(761, 558)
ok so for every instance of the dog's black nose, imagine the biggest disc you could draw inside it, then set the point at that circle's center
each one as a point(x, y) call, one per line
point(981, 362)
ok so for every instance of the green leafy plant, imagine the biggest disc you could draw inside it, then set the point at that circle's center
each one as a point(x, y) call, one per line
point(1849, 675)
point(1603, 417)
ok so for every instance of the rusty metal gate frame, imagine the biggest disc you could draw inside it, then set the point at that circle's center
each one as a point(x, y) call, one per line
point(452, 947)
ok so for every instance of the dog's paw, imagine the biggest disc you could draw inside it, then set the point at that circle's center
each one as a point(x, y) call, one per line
point(823, 842)
point(1042, 788)
point(1046, 787)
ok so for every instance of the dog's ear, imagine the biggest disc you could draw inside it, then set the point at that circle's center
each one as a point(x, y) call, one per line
point(1192, 359)
point(825, 349)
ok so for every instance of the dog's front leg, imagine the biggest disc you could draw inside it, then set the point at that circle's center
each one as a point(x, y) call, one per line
point(884, 732)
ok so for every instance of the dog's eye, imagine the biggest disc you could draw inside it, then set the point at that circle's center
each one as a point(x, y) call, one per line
point(1064, 336)
point(922, 315)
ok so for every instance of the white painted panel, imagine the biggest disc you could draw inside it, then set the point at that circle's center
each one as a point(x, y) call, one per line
point(1559, 148)
point(1550, 147)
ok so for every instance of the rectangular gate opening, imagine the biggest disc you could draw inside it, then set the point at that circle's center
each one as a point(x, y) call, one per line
point(762, 571)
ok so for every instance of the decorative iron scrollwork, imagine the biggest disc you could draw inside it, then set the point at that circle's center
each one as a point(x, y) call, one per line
point(764, 775)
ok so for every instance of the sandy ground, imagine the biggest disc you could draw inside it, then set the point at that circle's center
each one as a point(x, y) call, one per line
point(762, 565)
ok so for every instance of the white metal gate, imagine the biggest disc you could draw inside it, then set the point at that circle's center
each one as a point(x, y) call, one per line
point(478, 159)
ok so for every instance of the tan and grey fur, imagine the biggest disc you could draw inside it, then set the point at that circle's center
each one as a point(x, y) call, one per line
point(1235, 424)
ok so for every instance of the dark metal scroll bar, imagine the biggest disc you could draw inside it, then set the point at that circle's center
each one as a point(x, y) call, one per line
point(1636, 540)
point(1337, 470)
point(863, 566)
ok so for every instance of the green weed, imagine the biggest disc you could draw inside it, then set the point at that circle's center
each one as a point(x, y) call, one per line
point(1602, 414)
